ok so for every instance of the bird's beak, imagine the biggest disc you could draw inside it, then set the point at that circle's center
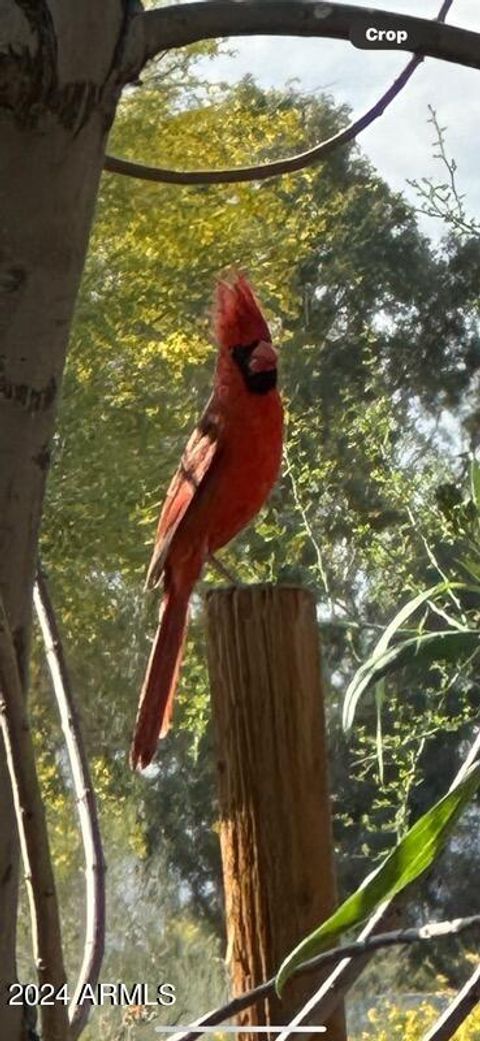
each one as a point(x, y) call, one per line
point(263, 357)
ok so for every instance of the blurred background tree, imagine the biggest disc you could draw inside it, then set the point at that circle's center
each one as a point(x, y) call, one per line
point(380, 355)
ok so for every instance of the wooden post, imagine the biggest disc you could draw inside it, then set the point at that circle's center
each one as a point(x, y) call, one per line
point(275, 826)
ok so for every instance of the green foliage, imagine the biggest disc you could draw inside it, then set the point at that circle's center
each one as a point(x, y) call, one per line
point(454, 605)
point(449, 645)
point(399, 648)
point(413, 855)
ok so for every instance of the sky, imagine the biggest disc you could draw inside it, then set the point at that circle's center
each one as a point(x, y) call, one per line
point(400, 142)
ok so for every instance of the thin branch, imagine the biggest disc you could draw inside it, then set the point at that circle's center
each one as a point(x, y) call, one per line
point(464, 1002)
point(309, 530)
point(179, 25)
point(222, 570)
point(429, 932)
point(33, 836)
point(263, 171)
point(291, 164)
point(444, 201)
point(86, 804)
point(435, 563)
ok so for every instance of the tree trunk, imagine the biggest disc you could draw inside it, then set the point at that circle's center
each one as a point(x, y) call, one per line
point(58, 91)
point(275, 827)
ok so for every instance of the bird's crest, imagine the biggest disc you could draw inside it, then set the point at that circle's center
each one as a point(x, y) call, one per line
point(237, 318)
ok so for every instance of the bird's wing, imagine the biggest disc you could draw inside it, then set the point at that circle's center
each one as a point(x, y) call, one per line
point(194, 466)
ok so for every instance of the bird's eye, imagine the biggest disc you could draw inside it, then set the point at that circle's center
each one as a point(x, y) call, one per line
point(258, 365)
point(242, 353)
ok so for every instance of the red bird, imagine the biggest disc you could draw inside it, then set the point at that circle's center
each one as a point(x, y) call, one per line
point(228, 468)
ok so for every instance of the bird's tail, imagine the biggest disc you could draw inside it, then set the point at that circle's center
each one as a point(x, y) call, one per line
point(156, 698)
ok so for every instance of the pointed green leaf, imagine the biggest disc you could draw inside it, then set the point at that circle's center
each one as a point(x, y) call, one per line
point(473, 569)
point(379, 699)
point(406, 612)
point(411, 857)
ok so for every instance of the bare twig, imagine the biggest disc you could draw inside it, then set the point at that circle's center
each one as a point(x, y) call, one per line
point(435, 563)
point(309, 530)
point(86, 803)
point(222, 570)
point(443, 200)
point(262, 171)
point(431, 931)
point(33, 836)
point(464, 1002)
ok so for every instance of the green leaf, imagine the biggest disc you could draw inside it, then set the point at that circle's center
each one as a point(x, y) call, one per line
point(411, 857)
point(379, 699)
point(406, 612)
point(473, 569)
point(475, 482)
point(419, 650)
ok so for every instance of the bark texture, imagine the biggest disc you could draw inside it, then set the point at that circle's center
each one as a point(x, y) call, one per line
point(60, 79)
point(33, 837)
point(275, 825)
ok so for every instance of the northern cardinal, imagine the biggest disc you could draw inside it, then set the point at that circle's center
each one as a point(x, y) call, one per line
point(226, 472)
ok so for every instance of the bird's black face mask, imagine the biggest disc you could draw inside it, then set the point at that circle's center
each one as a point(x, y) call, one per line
point(256, 382)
